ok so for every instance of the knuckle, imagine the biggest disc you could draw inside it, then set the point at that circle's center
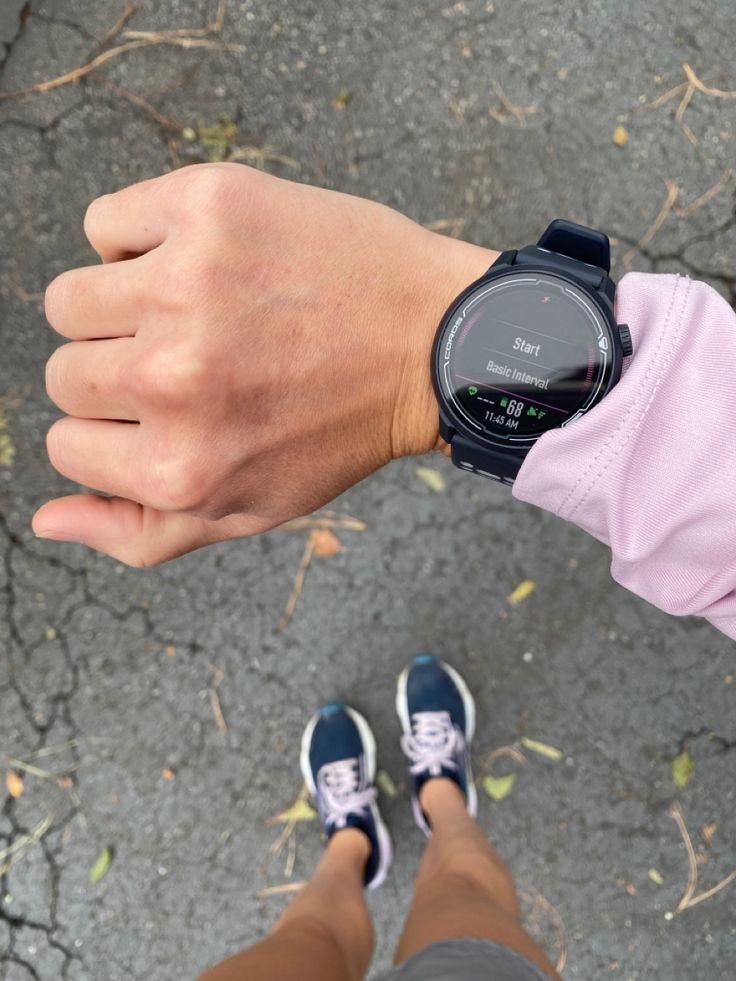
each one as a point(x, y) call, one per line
point(170, 377)
point(207, 186)
point(179, 483)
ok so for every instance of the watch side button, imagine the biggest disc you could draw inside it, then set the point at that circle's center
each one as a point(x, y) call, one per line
point(625, 337)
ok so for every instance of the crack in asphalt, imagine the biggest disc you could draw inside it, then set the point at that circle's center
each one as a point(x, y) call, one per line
point(25, 13)
point(60, 709)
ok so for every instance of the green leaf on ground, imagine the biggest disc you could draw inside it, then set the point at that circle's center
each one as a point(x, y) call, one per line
point(385, 784)
point(432, 478)
point(341, 99)
point(682, 768)
point(499, 787)
point(301, 810)
point(656, 877)
point(101, 867)
point(523, 591)
point(7, 449)
point(217, 139)
point(550, 752)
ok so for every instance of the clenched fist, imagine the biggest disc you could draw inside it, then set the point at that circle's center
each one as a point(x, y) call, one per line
point(248, 349)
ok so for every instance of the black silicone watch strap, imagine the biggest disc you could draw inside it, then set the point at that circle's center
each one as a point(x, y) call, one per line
point(485, 461)
point(578, 242)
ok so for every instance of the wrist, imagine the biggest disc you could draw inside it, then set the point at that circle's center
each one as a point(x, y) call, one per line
point(444, 268)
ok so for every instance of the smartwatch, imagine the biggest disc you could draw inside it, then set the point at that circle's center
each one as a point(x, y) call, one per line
point(530, 346)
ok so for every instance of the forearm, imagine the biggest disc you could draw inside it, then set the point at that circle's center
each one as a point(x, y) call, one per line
point(651, 470)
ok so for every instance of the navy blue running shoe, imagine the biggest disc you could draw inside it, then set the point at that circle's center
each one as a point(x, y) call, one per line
point(437, 714)
point(338, 762)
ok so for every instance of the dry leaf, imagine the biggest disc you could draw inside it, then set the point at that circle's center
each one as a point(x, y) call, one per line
point(523, 591)
point(432, 478)
point(14, 783)
point(542, 748)
point(620, 136)
point(499, 787)
point(325, 543)
point(168, 773)
point(341, 99)
point(707, 832)
point(170, 650)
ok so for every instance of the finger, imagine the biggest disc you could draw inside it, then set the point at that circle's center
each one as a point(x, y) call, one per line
point(129, 222)
point(106, 456)
point(96, 301)
point(86, 379)
point(136, 535)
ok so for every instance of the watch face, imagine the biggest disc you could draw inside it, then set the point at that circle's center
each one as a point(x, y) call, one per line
point(523, 353)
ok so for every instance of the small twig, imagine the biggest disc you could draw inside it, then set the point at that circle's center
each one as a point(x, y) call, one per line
point(537, 899)
point(672, 192)
point(657, 103)
point(519, 113)
point(260, 156)
point(512, 751)
point(686, 91)
point(291, 857)
point(174, 151)
point(34, 771)
point(217, 675)
point(214, 27)
point(684, 103)
point(185, 38)
point(692, 877)
point(130, 9)
point(298, 583)
point(693, 80)
point(319, 164)
point(688, 897)
point(281, 890)
point(12, 853)
point(453, 226)
point(163, 121)
point(70, 744)
point(706, 196)
point(345, 523)
point(21, 292)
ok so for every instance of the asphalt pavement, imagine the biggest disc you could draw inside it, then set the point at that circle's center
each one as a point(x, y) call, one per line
point(160, 711)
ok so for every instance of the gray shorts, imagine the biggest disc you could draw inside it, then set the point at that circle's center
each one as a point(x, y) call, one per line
point(465, 960)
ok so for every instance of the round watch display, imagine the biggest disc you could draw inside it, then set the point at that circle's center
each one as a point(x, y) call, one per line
point(522, 353)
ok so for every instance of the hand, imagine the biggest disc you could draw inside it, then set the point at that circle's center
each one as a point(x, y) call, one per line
point(249, 349)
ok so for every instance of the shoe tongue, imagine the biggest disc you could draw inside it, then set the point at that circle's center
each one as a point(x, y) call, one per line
point(434, 733)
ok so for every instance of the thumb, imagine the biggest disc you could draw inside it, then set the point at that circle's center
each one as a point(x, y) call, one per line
point(136, 535)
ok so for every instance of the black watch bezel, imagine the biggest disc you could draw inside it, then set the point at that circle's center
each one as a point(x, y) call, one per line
point(451, 422)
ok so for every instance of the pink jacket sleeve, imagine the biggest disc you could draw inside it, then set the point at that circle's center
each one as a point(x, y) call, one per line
point(651, 470)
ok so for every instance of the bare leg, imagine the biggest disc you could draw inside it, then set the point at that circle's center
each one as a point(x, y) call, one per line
point(325, 934)
point(463, 888)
